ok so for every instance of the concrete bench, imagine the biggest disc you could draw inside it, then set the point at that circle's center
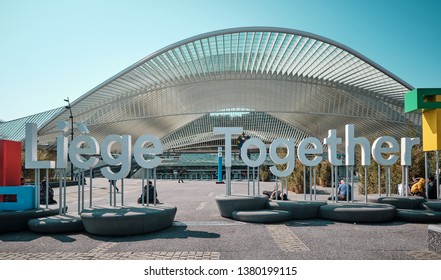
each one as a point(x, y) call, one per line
point(434, 239)
point(299, 210)
point(262, 216)
point(400, 202)
point(12, 221)
point(358, 213)
point(227, 204)
point(431, 205)
point(127, 220)
point(56, 224)
point(418, 216)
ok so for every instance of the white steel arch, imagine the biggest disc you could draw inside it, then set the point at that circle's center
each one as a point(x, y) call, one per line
point(306, 82)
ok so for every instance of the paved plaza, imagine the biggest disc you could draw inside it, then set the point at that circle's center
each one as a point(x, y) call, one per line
point(199, 232)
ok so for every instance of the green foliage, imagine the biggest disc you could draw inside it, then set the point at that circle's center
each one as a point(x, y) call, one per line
point(29, 174)
point(324, 174)
point(264, 173)
point(295, 180)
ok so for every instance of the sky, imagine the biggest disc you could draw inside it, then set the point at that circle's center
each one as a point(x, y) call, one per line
point(51, 49)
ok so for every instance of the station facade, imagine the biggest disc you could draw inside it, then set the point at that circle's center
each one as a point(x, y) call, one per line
point(272, 82)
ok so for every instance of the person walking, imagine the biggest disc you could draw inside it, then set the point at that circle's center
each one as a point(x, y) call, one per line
point(180, 175)
point(113, 182)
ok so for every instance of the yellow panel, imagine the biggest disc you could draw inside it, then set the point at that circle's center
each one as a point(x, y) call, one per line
point(432, 130)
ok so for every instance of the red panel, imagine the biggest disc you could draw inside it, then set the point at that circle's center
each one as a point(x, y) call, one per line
point(10, 163)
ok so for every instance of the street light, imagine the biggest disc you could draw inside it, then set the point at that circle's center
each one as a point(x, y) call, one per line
point(71, 131)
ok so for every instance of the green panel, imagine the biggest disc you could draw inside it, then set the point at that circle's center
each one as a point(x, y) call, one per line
point(421, 98)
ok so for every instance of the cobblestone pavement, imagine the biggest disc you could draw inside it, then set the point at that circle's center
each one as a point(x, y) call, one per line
point(112, 256)
point(200, 233)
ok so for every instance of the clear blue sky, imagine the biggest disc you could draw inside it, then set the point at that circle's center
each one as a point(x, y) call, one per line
point(52, 49)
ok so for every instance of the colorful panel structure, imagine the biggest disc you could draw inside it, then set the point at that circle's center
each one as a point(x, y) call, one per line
point(428, 101)
point(10, 163)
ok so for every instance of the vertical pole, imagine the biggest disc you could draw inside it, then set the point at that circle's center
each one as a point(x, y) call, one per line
point(60, 191)
point(248, 179)
point(254, 181)
point(142, 186)
point(110, 192)
point(426, 167)
point(258, 181)
point(277, 189)
point(286, 188)
point(304, 182)
point(82, 188)
point(332, 182)
point(228, 173)
point(122, 191)
point(310, 183)
point(64, 192)
point(437, 175)
point(406, 181)
point(219, 164)
point(154, 184)
point(114, 195)
point(37, 189)
point(148, 187)
point(385, 182)
point(352, 184)
point(79, 192)
point(336, 184)
point(402, 181)
point(282, 185)
point(315, 185)
point(90, 187)
point(365, 184)
point(379, 180)
point(388, 180)
point(347, 183)
point(47, 188)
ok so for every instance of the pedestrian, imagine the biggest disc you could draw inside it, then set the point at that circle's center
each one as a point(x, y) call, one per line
point(43, 194)
point(180, 176)
point(113, 183)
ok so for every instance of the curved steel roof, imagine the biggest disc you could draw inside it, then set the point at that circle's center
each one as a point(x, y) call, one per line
point(300, 83)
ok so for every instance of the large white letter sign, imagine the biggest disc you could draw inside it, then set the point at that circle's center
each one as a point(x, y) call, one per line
point(83, 145)
point(289, 159)
point(62, 145)
point(262, 152)
point(228, 131)
point(124, 159)
point(350, 143)
point(31, 160)
point(378, 150)
point(317, 149)
point(406, 149)
point(332, 141)
point(140, 151)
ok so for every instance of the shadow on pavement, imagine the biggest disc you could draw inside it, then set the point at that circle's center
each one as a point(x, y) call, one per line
point(174, 232)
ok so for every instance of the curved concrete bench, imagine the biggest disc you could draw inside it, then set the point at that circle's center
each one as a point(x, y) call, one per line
point(127, 220)
point(56, 224)
point(434, 240)
point(300, 210)
point(358, 213)
point(400, 202)
point(12, 221)
point(262, 216)
point(418, 216)
point(227, 204)
point(431, 205)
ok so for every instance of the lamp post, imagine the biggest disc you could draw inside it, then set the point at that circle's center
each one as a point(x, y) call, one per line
point(71, 132)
